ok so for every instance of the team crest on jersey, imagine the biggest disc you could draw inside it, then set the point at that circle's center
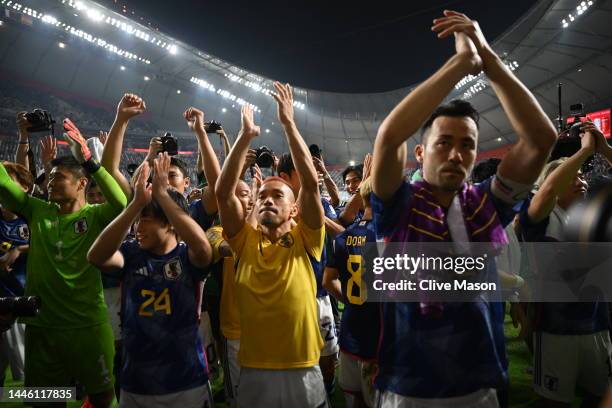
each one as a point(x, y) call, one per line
point(173, 269)
point(24, 232)
point(286, 240)
point(80, 226)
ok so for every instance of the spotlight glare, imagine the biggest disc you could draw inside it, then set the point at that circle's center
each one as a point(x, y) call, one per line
point(61, 45)
point(122, 68)
point(178, 91)
point(146, 78)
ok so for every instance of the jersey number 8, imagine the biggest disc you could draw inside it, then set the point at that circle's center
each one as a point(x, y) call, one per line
point(355, 267)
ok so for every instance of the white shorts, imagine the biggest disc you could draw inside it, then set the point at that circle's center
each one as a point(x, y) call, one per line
point(485, 398)
point(562, 362)
point(355, 378)
point(199, 397)
point(112, 297)
point(295, 388)
point(231, 369)
point(327, 326)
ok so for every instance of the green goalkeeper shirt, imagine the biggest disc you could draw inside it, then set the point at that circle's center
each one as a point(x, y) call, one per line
point(57, 271)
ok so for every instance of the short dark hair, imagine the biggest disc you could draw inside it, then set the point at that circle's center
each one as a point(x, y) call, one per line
point(71, 164)
point(456, 108)
point(357, 169)
point(285, 164)
point(154, 210)
point(182, 166)
point(485, 169)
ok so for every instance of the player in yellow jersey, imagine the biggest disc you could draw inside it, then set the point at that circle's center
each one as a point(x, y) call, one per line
point(275, 287)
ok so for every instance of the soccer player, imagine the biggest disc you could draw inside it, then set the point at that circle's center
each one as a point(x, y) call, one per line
point(451, 353)
point(14, 245)
point(571, 340)
point(164, 364)
point(71, 337)
point(360, 320)
point(327, 325)
point(275, 288)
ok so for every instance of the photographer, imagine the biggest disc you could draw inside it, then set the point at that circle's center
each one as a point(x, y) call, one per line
point(572, 340)
point(280, 342)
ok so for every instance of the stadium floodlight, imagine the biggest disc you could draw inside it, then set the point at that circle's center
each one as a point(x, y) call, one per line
point(1, 23)
point(49, 19)
point(499, 139)
point(122, 68)
point(173, 49)
point(61, 45)
point(146, 78)
point(581, 8)
point(352, 163)
point(267, 130)
point(178, 91)
point(223, 110)
point(95, 15)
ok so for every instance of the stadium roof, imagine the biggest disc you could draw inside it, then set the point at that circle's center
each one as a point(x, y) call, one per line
point(99, 42)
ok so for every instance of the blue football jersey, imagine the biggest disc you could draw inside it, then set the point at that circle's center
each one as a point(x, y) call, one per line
point(360, 324)
point(160, 304)
point(454, 354)
point(199, 214)
point(13, 234)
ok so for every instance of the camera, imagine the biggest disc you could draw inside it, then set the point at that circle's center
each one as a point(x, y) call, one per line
point(40, 120)
point(315, 151)
point(169, 144)
point(212, 126)
point(264, 157)
point(131, 169)
point(20, 306)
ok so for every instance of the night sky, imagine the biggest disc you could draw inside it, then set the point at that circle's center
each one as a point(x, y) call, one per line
point(331, 46)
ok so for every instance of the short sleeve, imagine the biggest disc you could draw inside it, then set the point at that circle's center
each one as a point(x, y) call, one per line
point(314, 239)
point(238, 241)
point(215, 237)
point(329, 210)
point(387, 214)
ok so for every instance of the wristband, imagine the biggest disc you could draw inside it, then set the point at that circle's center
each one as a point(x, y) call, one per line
point(91, 166)
point(24, 143)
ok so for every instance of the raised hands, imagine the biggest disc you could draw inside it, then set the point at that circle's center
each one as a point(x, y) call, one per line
point(160, 177)
point(48, 149)
point(194, 118)
point(103, 137)
point(248, 123)
point(155, 147)
point(22, 123)
point(367, 166)
point(77, 142)
point(129, 106)
point(284, 98)
point(455, 22)
point(142, 191)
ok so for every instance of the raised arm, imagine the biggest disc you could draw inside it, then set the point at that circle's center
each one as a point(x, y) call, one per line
point(24, 143)
point(329, 182)
point(226, 143)
point(115, 198)
point(12, 197)
point(195, 120)
point(129, 106)
point(407, 117)
point(311, 209)
point(560, 180)
point(199, 250)
point(230, 208)
point(536, 133)
point(104, 253)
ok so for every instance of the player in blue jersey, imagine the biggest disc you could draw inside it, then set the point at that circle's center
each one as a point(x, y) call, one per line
point(360, 320)
point(451, 353)
point(164, 363)
point(571, 340)
point(14, 244)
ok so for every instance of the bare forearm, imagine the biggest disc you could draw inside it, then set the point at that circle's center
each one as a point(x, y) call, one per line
point(301, 157)
point(109, 241)
point(351, 210)
point(212, 170)
point(111, 155)
point(22, 155)
point(183, 224)
point(524, 112)
point(405, 120)
point(333, 228)
point(332, 189)
point(232, 167)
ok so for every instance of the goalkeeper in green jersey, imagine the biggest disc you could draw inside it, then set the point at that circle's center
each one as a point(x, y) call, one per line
point(71, 337)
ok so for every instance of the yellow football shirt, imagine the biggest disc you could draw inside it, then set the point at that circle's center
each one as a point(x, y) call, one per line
point(275, 291)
